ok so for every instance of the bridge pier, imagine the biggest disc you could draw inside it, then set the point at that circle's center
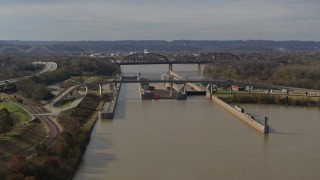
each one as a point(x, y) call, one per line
point(198, 67)
point(100, 89)
point(266, 125)
point(211, 89)
point(170, 68)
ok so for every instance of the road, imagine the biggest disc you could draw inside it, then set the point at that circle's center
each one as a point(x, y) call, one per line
point(49, 67)
point(56, 110)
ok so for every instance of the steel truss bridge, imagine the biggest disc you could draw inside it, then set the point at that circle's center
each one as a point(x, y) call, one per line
point(152, 58)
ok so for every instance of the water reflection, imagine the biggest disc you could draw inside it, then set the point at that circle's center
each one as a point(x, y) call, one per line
point(96, 156)
point(274, 131)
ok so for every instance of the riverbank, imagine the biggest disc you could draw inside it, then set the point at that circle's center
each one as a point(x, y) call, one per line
point(87, 129)
point(78, 123)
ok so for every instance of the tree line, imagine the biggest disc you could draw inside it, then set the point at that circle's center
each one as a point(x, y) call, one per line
point(67, 67)
point(303, 73)
point(6, 121)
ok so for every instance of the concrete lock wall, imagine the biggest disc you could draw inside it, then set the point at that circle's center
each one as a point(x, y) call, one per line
point(242, 116)
point(144, 94)
point(110, 107)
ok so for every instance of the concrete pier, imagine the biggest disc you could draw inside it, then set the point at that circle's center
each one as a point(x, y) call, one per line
point(194, 86)
point(146, 92)
point(161, 93)
point(261, 127)
point(109, 108)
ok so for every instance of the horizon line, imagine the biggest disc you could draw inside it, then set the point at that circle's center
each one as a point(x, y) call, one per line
point(159, 40)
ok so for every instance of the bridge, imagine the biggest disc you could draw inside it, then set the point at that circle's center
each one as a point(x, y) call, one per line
point(204, 81)
point(153, 58)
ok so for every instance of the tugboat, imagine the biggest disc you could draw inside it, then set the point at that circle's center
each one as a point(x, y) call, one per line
point(156, 96)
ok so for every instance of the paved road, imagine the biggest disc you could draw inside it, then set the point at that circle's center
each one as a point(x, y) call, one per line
point(49, 67)
point(56, 110)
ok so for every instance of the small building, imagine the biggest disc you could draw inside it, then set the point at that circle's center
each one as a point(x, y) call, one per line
point(237, 88)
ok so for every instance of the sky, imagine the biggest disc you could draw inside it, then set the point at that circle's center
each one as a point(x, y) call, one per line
point(160, 20)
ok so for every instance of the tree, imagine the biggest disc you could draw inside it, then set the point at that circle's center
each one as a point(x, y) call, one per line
point(6, 122)
point(20, 168)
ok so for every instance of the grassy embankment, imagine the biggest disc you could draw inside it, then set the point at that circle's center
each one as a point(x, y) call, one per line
point(67, 151)
point(16, 110)
point(22, 136)
point(60, 160)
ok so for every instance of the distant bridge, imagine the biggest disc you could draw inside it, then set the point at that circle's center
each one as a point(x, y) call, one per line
point(152, 58)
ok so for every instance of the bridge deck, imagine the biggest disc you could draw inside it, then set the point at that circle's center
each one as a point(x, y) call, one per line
point(217, 82)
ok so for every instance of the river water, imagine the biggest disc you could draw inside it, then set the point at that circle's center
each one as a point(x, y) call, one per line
point(196, 139)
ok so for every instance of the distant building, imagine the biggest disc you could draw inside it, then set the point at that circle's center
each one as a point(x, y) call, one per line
point(237, 88)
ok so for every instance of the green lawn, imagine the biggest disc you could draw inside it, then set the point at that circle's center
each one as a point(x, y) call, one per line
point(22, 115)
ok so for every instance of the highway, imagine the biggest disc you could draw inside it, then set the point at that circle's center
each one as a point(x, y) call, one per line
point(49, 67)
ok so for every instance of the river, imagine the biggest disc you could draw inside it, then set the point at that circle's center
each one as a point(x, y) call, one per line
point(196, 139)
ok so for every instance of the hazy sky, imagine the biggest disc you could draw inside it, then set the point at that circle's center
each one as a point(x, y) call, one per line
point(159, 19)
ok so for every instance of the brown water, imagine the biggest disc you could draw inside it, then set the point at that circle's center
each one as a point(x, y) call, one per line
point(197, 139)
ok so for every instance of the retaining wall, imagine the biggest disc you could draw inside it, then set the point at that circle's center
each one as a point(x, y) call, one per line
point(110, 107)
point(260, 127)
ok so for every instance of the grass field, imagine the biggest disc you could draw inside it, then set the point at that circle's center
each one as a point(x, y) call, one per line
point(22, 136)
point(22, 115)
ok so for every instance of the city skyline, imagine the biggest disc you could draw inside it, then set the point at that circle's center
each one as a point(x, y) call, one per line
point(155, 20)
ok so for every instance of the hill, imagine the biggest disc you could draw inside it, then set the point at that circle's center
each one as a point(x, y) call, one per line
point(80, 47)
